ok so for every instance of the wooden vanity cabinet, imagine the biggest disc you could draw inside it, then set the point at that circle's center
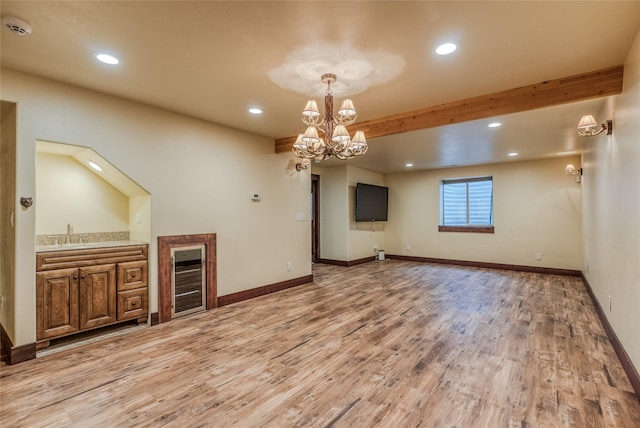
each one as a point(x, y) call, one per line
point(79, 290)
point(73, 299)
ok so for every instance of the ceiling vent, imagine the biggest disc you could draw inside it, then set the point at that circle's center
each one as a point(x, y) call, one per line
point(17, 25)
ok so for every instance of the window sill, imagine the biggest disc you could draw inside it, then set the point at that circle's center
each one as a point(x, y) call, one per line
point(465, 229)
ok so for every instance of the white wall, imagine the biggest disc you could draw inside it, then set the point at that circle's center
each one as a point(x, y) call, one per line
point(200, 177)
point(612, 210)
point(537, 208)
point(68, 193)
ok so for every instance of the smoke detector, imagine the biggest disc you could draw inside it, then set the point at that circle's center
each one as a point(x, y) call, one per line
point(17, 25)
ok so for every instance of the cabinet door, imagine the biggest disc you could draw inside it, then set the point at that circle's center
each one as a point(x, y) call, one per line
point(57, 303)
point(97, 295)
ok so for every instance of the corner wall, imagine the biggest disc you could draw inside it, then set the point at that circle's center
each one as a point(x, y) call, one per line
point(612, 210)
point(341, 237)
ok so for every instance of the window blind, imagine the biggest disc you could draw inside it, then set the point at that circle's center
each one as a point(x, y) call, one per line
point(467, 202)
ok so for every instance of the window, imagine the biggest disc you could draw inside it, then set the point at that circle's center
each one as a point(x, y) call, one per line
point(466, 205)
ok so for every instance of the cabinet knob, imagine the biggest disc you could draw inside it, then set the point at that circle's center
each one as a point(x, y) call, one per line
point(75, 276)
point(133, 274)
point(134, 303)
point(82, 276)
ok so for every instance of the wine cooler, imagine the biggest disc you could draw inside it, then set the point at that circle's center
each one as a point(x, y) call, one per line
point(188, 280)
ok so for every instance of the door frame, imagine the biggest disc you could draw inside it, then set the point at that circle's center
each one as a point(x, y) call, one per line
point(315, 218)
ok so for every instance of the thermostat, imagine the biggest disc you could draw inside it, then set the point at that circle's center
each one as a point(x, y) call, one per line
point(255, 197)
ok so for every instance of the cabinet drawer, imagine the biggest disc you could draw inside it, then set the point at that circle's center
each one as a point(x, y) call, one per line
point(132, 275)
point(133, 303)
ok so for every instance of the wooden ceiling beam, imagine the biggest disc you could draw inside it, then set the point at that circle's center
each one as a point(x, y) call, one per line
point(569, 89)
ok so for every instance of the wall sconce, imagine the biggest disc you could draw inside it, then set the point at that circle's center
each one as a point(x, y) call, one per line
point(589, 127)
point(572, 170)
point(303, 164)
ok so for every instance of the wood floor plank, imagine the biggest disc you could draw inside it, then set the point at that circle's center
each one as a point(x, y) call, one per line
point(382, 344)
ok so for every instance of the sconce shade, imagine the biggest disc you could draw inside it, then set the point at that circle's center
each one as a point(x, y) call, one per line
point(570, 169)
point(589, 127)
point(303, 164)
point(587, 122)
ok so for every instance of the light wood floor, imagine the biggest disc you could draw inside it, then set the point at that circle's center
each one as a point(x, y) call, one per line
point(384, 344)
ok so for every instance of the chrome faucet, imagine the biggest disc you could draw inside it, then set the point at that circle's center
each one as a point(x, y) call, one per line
point(69, 232)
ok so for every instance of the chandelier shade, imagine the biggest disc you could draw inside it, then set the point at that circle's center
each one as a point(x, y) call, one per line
point(336, 140)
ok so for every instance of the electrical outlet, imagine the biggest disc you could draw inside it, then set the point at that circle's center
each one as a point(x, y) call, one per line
point(289, 266)
point(609, 303)
point(375, 247)
point(407, 247)
point(538, 256)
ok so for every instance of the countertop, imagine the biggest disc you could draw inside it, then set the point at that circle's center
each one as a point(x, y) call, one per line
point(107, 244)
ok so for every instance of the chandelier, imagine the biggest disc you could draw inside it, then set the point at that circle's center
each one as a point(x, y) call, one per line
point(336, 141)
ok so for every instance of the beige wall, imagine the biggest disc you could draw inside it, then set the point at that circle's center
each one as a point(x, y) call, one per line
point(537, 208)
point(612, 210)
point(363, 237)
point(334, 219)
point(7, 211)
point(200, 177)
point(68, 193)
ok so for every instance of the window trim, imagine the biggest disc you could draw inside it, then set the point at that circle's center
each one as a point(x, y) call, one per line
point(466, 229)
point(470, 228)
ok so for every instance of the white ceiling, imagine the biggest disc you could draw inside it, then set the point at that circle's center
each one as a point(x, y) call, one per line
point(213, 60)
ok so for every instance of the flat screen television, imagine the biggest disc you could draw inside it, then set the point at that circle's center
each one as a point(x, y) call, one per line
point(371, 202)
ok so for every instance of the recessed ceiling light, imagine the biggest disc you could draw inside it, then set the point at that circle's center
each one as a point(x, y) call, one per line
point(447, 48)
point(494, 125)
point(255, 110)
point(513, 154)
point(107, 59)
point(408, 165)
point(95, 166)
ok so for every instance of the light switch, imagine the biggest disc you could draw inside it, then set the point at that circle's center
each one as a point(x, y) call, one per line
point(299, 216)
